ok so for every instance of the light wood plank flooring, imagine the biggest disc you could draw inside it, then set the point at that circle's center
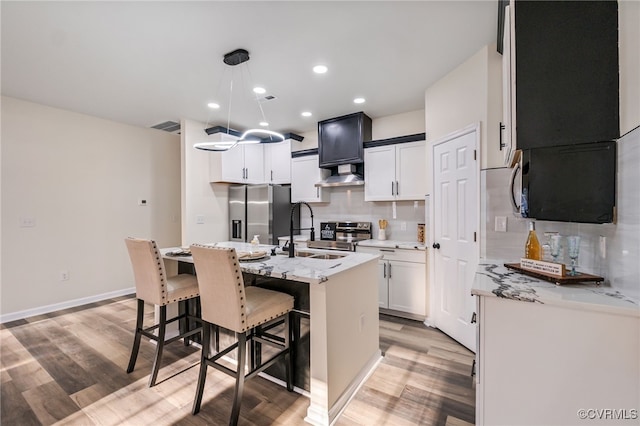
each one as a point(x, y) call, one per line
point(68, 367)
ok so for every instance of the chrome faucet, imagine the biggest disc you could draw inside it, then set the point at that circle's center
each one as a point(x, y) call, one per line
point(291, 229)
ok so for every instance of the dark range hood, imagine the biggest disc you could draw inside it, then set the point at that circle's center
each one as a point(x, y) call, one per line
point(341, 148)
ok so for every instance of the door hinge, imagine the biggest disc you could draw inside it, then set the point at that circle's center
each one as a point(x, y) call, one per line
point(474, 237)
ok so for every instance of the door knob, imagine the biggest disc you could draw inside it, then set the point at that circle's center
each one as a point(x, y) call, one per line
point(436, 246)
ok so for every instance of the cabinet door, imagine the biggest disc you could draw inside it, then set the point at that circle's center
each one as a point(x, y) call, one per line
point(407, 287)
point(567, 72)
point(380, 173)
point(232, 165)
point(305, 173)
point(277, 162)
point(254, 163)
point(383, 284)
point(411, 171)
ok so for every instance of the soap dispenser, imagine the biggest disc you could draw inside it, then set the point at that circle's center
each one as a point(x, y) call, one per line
point(255, 241)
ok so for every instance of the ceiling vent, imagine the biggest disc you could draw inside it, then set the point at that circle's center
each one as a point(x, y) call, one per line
point(267, 98)
point(168, 126)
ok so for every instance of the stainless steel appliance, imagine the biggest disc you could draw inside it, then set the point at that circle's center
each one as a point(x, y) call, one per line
point(341, 235)
point(262, 210)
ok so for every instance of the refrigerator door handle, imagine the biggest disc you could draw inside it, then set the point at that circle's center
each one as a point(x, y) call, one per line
point(237, 228)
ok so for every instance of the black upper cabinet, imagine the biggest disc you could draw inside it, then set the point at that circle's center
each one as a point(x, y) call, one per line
point(566, 72)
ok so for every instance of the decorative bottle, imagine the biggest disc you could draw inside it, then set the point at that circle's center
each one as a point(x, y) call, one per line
point(532, 249)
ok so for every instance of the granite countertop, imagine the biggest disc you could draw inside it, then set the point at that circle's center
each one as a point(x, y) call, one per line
point(409, 245)
point(305, 269)
point(493, 279)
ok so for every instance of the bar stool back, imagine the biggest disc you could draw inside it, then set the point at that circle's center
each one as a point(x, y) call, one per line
point(251, 312)
point(153, 286)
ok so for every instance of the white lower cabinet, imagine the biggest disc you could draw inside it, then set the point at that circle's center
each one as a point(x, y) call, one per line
point(401, 280)
point(540, 364)
point(305, 173)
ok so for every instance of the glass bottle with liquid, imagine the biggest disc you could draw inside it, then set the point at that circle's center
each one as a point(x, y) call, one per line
point(532, 249)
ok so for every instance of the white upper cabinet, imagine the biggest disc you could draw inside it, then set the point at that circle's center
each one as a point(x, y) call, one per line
point(252, 163)
point(277, 162)
point(305, 173)
point(395, 172)
point(241, 164)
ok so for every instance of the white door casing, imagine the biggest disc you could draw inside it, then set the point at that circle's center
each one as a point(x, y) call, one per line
point(455, 212)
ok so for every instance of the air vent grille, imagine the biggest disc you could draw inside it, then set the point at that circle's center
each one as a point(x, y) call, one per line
point(267, 98)
point(168, 126)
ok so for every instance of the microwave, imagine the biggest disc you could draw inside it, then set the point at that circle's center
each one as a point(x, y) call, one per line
point(570, 183)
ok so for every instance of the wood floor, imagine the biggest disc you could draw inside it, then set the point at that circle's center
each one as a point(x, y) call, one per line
point(69, 368)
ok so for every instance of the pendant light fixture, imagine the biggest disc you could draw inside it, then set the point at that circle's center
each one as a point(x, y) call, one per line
point(251, 136)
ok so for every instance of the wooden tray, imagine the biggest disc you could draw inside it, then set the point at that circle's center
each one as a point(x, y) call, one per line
point(567, 279)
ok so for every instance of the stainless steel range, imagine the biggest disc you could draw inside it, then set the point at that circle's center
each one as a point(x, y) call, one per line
point(341, 235)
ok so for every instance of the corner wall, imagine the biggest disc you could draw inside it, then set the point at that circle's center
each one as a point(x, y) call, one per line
point(79, 179)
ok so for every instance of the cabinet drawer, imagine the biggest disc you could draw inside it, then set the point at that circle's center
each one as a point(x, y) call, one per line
point(402, 255)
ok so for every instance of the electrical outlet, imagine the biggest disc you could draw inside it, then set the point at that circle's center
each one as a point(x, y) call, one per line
point(603, 247)
point(403, 226)
point(501, 224)
point(200, 219)
point(64, 275)
point(27, 222)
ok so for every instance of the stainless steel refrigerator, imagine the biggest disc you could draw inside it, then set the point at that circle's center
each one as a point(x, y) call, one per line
point(263, 210)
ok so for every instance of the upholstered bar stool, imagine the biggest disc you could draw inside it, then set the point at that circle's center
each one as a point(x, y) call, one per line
point(153, 286)
point(251, 312)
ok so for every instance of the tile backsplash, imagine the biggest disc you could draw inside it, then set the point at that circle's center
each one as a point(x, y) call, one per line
point(608, 250)
point(347, 203)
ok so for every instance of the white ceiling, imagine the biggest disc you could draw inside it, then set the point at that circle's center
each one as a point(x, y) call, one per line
point(146, 62)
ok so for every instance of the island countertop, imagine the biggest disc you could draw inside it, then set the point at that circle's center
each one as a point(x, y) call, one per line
point(493, 279)
point(305, 269)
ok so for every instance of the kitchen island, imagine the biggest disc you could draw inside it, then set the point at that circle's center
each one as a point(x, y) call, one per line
point(343, 309)
point(549, 354)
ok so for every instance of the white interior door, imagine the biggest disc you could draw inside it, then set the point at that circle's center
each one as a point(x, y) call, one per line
point(455, 251)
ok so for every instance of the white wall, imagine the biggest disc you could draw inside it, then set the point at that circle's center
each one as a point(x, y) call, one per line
point(79, 178)
point(469, 94)
point(199, 197)
point(629, 45)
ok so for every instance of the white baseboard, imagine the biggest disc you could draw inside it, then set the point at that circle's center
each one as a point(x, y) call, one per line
point(64, 305)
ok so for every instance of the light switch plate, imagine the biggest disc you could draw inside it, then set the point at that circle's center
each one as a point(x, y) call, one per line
point(501, 224)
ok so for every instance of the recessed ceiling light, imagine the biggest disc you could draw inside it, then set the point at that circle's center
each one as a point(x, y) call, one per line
point(213, 105)
point(320, 69)
point(306, 114)
point(358, 101)
point(264, 123)
point(259, 90)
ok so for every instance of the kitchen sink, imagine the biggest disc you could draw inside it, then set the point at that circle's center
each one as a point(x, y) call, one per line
point(328, 256)
point(314, 255)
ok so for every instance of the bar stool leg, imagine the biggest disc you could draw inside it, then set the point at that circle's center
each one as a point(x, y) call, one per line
point(202, 377)
point(237, 396)
point(158, 358)
point(138, 335)
point(288, 358)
